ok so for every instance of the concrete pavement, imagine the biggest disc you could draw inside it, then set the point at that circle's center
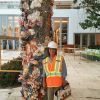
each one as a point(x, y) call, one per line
point(10, 94)
point(83, 76)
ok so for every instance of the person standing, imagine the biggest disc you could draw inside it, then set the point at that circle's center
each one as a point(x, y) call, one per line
point(54, 71)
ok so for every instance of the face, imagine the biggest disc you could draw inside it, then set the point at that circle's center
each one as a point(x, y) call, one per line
point(52, 51)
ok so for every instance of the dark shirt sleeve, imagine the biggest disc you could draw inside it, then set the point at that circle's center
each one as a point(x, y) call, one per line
point(64, 69)
point(43, 73)
point(45, 53)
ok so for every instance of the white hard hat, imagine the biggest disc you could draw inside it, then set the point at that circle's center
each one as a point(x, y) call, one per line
point(52, 45)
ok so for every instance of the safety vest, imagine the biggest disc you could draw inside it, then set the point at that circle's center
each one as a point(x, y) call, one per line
point(53, 71)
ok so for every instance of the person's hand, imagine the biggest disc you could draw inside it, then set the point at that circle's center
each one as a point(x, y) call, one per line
point(35, 62)
point(64, 82)
point(44, 83)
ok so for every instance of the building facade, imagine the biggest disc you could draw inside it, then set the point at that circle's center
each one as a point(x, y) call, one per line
point(9, 24)
point(66, 28)
point(65, 25)
point(9, 30)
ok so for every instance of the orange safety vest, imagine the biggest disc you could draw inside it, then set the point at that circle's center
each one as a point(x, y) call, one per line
point(53, 71)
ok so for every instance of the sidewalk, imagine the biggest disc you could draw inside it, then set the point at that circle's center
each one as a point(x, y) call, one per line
point(83, 76)
point(10, 94)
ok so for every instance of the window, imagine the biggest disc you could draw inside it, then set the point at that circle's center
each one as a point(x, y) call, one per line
point(3, 29)
point(64, 30)
point(57, 29)
point(60, 30)
point(4, 44)
point(17, 27)
point(64, 26)
point(16, 44)
point(10, 21)
point(9, 25)
point(84, 39)
point(10, 44)
point(92, 39)
point(77, 40)
point(3, 25)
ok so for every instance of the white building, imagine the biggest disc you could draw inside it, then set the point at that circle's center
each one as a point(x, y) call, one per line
point(9, 29)
point(65, 23)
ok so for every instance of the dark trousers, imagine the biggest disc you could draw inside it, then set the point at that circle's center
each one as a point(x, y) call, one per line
point(50, 92)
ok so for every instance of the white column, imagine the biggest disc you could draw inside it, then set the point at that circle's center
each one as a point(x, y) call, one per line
point(60, 33)
point(88, 39)
point(13, 41)
point(1, 44)
point(70, 34)
point(7, 45)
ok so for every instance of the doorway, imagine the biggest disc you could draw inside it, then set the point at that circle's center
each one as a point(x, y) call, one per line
point(60, 29)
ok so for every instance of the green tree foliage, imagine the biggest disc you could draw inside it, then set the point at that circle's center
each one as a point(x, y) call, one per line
point(10, 78)
point(93, 13)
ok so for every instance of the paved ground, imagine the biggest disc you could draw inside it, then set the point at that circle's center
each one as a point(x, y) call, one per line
point(83, 76)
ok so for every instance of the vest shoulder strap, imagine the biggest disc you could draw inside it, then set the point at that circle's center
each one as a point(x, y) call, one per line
point(59, 58)
point(45, 60)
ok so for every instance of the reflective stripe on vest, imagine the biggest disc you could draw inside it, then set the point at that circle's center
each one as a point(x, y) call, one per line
point(45, 64)
point(57, 67)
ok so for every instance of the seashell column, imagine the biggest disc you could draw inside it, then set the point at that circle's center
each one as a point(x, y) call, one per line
point(35, 23)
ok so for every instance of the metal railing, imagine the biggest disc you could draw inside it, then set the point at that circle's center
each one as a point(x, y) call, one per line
point(11, 71)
